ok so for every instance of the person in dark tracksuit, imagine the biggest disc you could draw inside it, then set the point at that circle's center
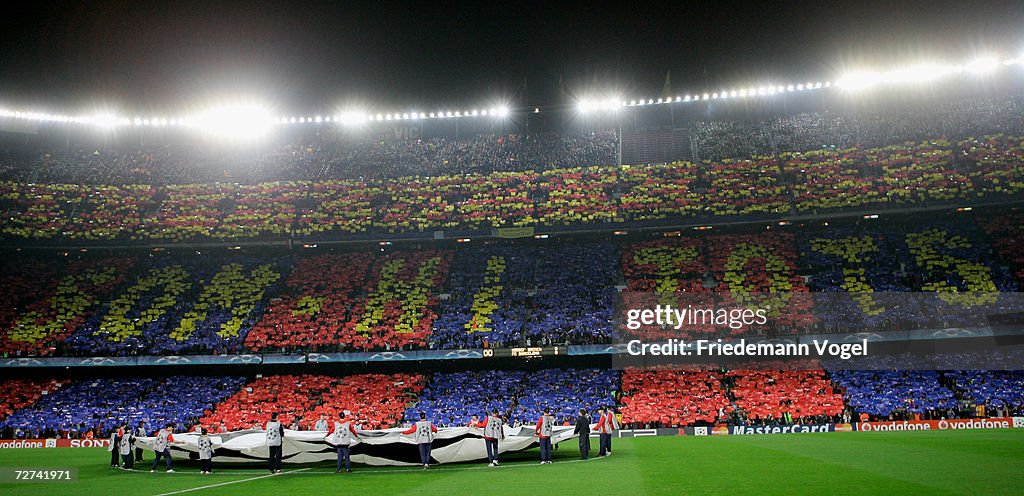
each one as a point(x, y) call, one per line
point(423, 430)
point(544, 429)
point(583, 431)
point(140, 431)
point(115, 446)
point(275, 439)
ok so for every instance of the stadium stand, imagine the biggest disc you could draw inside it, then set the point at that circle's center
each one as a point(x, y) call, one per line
point(897, 395)
point(355, 301)
point(99, 405)
point(375, 400)
point(673, 398)
point(921, 174)
point(180, 304)
point(452, 399)
point(17, 394)
point(507, 294)
point(767, 396)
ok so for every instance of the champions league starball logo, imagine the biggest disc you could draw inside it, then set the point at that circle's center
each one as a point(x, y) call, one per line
point(97, 361)
point(953, 333)
point(173, 360)
point(463, 354)
point(25, 362)
point(387, 355)
point(246, 359)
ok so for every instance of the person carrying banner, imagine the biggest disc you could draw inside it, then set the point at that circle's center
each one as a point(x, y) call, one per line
point(494, 430)
point(205, 452)
point(115, 441)
point(340, 436)
point(162, 447)
point(140, 431)
point(544, 429)
point(606, 425)
point(583, 431)
point(275, 436)
point(124, 447)
point(423, 431)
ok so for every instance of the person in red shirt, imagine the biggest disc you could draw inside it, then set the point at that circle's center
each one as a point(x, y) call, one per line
point(544, 429)
point(423, 430)
point(494, 430)
point(341, 435)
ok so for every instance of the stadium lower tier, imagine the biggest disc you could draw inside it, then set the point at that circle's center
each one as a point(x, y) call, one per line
point(643, 398)
point(819, 280)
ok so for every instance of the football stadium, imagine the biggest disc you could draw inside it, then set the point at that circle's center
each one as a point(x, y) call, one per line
point(703, 271)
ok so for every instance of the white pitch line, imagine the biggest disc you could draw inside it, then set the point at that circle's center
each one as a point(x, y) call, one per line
point(219, 484)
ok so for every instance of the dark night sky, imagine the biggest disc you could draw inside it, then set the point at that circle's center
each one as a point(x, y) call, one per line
point(307, 56)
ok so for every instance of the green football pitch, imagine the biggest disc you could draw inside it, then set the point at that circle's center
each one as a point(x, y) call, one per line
point(934, 463)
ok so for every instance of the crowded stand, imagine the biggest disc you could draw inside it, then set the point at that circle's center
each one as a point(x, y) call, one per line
point(784, 396)
point(16, 394)
point(897, 394)
point(355, 302)
point(922, 173)
point(1000, 392)
point(673, 398)
point(503, 295)
point(717, 140)
point(182, 304)
point(375, 401)
point(94, 407)
point(728, 270)
point(646, 398)
point(817, 279)
point(46, 298)
point(363, 159)
point(452, 399)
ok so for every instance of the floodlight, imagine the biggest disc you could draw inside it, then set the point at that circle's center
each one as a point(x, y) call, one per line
point(502, 111)
point(106, 120)
point(235, 122)
point(982, 65)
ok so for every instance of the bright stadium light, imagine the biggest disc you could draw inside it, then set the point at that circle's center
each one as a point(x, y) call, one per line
point(503, 111)
point(106, 120)
point(982, 65)
point(921, 73)
point(857, 80)
point(235, 122)
point(352, 118)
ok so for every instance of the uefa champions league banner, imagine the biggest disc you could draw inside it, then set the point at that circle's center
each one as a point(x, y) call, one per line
point(379, 447)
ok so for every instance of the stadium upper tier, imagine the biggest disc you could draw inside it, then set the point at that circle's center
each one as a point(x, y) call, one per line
point(824, 180)
point(503, 293)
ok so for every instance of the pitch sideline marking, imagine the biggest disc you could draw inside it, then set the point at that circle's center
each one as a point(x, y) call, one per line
point(219, 484)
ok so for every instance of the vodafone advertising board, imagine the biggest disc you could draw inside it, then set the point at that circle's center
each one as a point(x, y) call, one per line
point(53, 443)
point(939, 425)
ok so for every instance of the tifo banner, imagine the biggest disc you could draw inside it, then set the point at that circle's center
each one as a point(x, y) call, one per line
point(513, 232)
point(939, 425)
point(379, 447)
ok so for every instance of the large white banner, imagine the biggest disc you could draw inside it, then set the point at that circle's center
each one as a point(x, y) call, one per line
point(379, 447)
